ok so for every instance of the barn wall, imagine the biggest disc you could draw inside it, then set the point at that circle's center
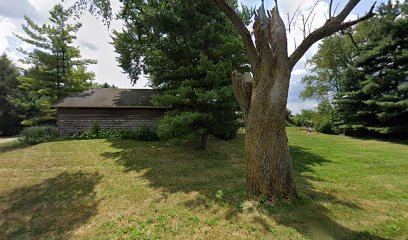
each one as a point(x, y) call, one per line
point(75, 120)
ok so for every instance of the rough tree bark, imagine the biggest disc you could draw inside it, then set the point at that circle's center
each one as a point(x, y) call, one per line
point(263, 95)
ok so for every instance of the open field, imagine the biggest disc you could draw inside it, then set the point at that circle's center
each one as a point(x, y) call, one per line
point(348, 189)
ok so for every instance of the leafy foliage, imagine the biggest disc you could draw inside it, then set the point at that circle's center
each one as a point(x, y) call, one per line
point(142, 134)
point(365, 76)
point(328, 65)
point(375, 97)
point(322, 119)
point(104, 85)
point(188, 49)
point(39, 134)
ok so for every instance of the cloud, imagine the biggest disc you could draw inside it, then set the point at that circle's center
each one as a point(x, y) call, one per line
point(8, 41)
point(16, 9)
point(296, 107)
point(6, 29)
point(93, 38)
point(88, 45)
point(299, 72)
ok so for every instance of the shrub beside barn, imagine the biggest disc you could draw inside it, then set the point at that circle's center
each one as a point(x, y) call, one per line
point(110, 108)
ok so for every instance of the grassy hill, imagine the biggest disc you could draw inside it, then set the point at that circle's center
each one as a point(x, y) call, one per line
point(348, 189)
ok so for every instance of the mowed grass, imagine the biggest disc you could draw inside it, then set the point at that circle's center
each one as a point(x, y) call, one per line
point(99, 189)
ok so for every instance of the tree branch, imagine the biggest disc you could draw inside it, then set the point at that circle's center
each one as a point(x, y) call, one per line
point(241, 27)
point(365, 17)
point(290, 20)
point(333, 25)
point(330, 8)
point(351, 38)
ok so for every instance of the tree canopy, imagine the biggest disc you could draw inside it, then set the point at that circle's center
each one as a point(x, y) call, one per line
point(364, 74)
point(375, 94)
point(188, 50)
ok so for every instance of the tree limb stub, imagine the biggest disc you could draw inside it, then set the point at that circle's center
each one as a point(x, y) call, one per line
point(333, 25)
point(270, 37)
point(277, 31)
point(262, 39)
point(242, 84)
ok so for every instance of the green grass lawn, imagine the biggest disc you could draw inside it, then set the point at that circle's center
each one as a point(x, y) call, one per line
point(99, 189)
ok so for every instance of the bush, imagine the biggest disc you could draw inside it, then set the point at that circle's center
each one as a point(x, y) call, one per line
point(321, 120)
point(95, 129)
point(145, 134)
point(227, 132)
point(142, 134)
point(324, 125)
point(288, 124)
point(40, 134)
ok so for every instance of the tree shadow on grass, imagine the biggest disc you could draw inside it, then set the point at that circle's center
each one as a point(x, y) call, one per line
point(50, 209)
point(12, 146)
point(217, 176)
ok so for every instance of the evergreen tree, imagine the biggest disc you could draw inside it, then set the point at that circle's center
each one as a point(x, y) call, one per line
point(188, 49)
point(375, 94)
point(56, 67)
point(10, 114)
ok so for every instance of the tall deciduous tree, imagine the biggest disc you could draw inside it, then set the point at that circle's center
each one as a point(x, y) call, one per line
point(263, 101)
point(328, 65)
point(188, 49)
point(56, 66)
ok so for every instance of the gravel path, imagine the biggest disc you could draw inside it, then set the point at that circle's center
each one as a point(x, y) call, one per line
point(6, 140)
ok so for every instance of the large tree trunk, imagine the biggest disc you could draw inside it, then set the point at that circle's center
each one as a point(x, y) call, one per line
point(263, 97)
point(268, 162)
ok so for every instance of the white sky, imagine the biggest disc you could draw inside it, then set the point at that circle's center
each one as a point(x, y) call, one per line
point(94, 37)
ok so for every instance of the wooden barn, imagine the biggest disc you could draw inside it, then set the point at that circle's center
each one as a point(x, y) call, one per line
point(109, 107)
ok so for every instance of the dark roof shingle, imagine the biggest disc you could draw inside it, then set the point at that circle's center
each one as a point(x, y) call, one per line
point(109, 97)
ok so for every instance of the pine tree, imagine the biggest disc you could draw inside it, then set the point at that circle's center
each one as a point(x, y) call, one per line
point(188, 49)
point(56, 67)
point(375, 96)
point(10, 113)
